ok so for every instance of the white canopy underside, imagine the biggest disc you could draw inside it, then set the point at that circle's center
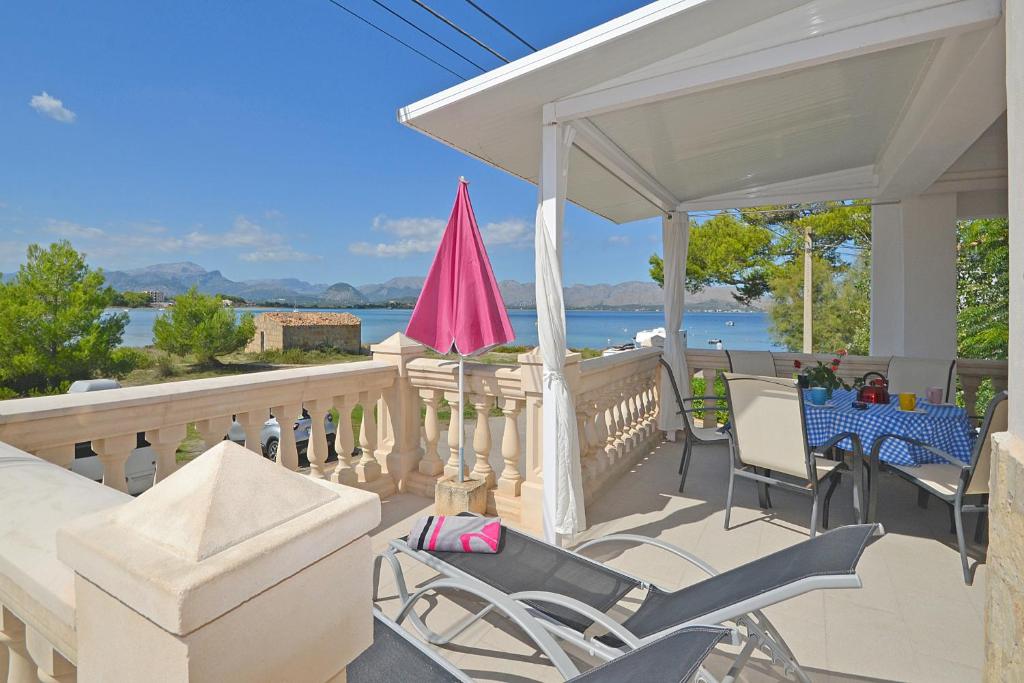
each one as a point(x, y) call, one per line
point(722, 103)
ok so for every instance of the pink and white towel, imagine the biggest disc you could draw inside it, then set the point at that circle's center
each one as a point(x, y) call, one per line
point(449, 533)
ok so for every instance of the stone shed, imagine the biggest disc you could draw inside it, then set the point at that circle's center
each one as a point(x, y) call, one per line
point(306, 330)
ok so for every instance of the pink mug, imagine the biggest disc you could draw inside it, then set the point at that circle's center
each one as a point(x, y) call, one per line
point(936, 395)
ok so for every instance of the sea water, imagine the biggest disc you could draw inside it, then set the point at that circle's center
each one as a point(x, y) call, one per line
point(584, 329)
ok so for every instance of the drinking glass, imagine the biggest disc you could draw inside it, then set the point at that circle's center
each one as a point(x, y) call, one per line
point(908, 401)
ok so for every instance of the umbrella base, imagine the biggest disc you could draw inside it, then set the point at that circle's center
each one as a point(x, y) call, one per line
point(452, 497)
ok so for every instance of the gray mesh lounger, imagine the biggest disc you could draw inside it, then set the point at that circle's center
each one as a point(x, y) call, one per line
point(398, 656)
point(568, 593)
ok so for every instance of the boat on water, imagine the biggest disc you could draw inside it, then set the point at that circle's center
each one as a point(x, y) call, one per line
point(730, 323)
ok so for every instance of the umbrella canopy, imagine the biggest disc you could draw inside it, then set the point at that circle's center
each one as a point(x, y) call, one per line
point(460, 306)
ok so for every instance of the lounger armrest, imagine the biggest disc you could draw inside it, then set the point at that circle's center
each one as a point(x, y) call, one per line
point(644, 540)
point(834, 441)
point(598, 617)
point(876, 448)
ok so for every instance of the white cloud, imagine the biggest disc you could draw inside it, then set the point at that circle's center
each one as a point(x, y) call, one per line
point(422, 235)
point(620, 240)
point(73, 230)
point(48, 105)
point(279, 255)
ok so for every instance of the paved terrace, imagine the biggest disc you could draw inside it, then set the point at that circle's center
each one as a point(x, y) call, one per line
point(914, 619)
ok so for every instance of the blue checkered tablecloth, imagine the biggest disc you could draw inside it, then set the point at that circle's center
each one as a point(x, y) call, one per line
point(945, 427)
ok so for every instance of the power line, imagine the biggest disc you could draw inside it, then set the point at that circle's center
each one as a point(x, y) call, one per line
point(490, 16)
point(429, 35)
point(396, 39)
point(452, 24)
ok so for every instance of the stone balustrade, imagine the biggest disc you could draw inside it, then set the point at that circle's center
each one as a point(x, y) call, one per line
point(971, 372)
point(50, 426)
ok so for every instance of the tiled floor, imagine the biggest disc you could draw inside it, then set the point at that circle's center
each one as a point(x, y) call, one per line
point(914, 619)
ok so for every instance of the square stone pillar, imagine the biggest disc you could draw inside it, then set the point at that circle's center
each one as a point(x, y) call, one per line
point(913, 277)
point(232, 568)
point(532, 489)
point(398, 425)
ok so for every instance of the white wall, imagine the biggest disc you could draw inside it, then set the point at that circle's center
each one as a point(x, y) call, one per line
point(913, 277)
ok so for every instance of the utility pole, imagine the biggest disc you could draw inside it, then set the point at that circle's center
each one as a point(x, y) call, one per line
point(808, 292)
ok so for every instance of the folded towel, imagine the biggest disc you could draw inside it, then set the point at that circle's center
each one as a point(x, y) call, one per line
point(448, 533)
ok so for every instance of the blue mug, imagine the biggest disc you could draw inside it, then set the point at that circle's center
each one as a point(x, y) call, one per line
point(818, 395)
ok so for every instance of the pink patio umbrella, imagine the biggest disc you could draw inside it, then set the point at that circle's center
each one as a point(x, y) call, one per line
point(460, 306)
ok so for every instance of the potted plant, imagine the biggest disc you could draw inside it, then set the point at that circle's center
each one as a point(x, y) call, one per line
point(822, 375)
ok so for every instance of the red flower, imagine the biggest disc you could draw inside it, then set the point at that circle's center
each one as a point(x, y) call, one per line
point(797, 364)
point(842, 352)
point(835, 361)
point(835, 366)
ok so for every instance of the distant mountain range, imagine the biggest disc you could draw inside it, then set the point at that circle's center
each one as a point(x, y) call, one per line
point(175, 278)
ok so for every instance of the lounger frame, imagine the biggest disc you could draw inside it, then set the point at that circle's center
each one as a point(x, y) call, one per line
point(758, 631)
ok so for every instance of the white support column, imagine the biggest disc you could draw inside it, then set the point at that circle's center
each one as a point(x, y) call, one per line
point(563, 487)
point(1015, 155)
point(913, 277)
point(675, 238)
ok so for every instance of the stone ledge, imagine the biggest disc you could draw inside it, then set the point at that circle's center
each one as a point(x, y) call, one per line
point(1004, 605)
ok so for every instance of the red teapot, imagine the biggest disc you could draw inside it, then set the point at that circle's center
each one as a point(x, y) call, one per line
point(875, 390)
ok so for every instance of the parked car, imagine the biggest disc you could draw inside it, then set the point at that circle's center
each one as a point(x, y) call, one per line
point(270, 436)
point(140, 467)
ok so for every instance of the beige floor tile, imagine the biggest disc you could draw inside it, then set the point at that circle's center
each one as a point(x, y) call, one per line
point(868, 642)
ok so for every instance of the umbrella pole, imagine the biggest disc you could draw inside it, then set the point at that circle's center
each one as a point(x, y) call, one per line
point(462, 418)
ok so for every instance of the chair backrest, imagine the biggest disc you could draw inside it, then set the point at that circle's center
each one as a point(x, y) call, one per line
point(768, 423)
point(917, 374)
point(760, 363)
point(995, 421)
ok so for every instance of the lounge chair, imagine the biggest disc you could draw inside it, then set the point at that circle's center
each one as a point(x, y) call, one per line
point(952, 481)
point(770, 439)
point(396, 655)
point(706, 436)
point(761, 363)
point(569, 593)
point(915, 375)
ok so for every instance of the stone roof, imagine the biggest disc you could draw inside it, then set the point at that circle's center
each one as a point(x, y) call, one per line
point(311, 318)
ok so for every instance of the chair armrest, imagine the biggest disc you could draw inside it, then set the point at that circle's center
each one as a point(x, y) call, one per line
point(876, 447)
point(857, 447)
point(644, 540)
point(705, 398)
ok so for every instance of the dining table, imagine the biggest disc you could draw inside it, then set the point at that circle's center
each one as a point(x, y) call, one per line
point(944, 426)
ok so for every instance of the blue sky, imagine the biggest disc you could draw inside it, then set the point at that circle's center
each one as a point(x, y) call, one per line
point(259, 138)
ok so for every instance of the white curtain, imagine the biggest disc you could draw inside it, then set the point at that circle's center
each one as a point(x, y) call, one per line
point(675, 236)
point(563, 488)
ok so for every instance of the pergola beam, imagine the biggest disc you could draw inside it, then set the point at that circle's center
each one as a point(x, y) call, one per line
point(959, 98)
point(883, 25)
point(854, 183)
point(591, 140)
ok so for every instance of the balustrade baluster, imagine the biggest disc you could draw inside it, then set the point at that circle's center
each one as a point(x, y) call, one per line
point(62, 455)
point(113, 453)
point(451, 469)
point(51, 666)
point(252, 422)
point(165, 442)
point(368, 469)
point(511, 480)
point(344, 443)
point(482, 469)
point(970, 386)
point(20, 668)
point(431, 463)
point(287, 453)
point(316, 448)
point(213, 430)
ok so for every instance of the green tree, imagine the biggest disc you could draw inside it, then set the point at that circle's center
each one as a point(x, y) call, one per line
point(131, 299)
point(759, 251)
point(200, 325)
point(983, 288)
point(53, 328)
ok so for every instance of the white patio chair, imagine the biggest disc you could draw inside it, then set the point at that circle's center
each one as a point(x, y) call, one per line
point(770, 439)
point(761, 363)
point(951, 481)
point(915, 375)
point(707, 436)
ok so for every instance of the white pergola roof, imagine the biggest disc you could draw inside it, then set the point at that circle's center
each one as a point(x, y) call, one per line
point(704, 104)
